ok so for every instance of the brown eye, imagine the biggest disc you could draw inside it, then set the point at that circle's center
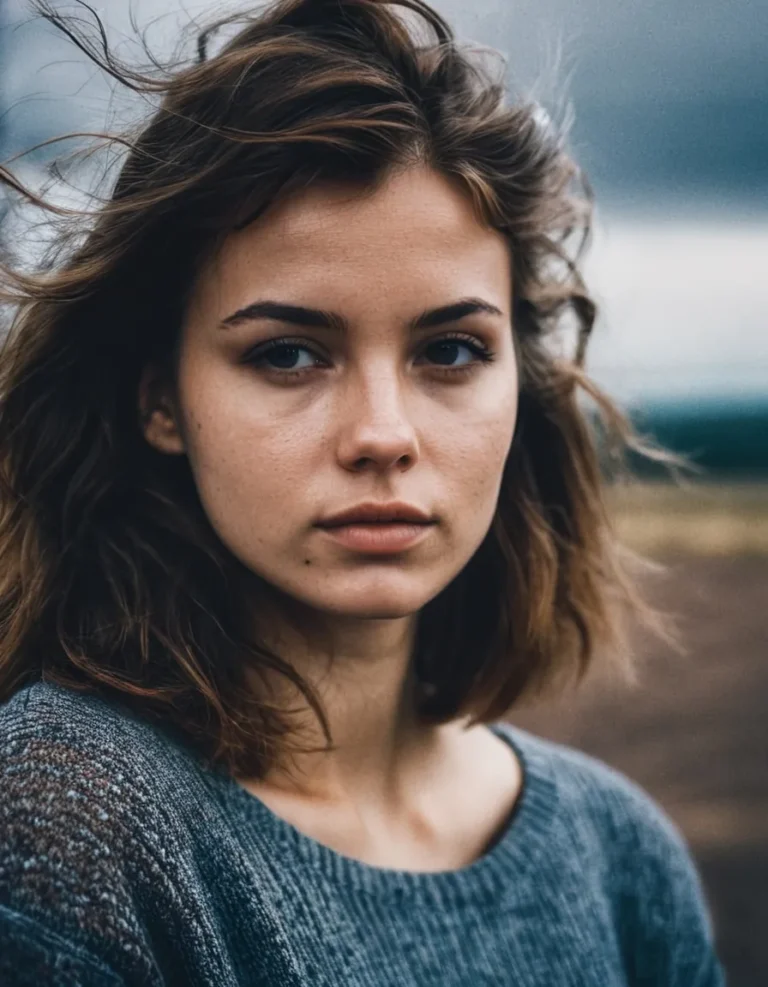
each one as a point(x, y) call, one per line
point(446, 351)
point(286, 356)
point(450, 352)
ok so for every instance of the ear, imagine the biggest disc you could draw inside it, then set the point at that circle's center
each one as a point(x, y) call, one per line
point(158, 413)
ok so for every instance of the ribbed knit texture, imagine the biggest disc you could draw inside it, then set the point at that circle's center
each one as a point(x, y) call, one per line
point(124, 862)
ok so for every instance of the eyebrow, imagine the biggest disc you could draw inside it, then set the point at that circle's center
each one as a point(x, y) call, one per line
point(302, 316)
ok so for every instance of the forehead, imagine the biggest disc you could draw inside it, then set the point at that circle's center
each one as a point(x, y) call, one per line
point(416, 232)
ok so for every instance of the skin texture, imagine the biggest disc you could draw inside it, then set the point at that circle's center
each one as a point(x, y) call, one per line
point(374, 414)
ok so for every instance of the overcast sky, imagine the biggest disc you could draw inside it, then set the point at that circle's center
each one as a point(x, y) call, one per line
point(670, 96)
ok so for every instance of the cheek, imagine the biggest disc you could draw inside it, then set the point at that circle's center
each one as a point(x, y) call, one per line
point(473, 464)
point(478, 461)
point(480, 439)
point(247, 467)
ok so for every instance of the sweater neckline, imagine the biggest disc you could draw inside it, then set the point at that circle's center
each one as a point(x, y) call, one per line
point(500, 868)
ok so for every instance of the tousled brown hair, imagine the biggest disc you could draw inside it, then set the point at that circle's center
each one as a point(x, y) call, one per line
point(111, 578)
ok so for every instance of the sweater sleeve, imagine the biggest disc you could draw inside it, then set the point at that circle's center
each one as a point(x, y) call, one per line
point(74, 863)
point(668, 932)
point(677, 940)
point(98, 864)
point(31, 955)
point(660, 910)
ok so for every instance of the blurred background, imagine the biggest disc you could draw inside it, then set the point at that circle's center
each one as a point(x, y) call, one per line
point(669, 107)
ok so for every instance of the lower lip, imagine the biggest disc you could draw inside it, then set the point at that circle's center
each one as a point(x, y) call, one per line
point(379, 538)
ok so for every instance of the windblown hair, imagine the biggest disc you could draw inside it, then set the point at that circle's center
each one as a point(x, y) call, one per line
point(111, 577)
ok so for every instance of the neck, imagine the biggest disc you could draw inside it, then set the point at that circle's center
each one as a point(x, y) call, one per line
point(363, 673)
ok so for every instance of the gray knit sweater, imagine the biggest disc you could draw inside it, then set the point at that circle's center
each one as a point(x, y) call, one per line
point(124, 862)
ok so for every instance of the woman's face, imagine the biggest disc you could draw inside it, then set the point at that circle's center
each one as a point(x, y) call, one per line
point(358, 405)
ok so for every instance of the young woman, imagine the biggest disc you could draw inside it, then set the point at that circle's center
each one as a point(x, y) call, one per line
point(297, 501)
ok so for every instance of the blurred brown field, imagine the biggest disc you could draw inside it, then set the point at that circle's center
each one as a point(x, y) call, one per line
point(699, 518)
point(692, 729)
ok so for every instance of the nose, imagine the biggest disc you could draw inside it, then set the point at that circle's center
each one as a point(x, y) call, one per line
point(376, 431)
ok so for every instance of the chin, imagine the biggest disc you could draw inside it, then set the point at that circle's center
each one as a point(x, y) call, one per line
point(366, 606)
point(374, 599)
point(380, 610)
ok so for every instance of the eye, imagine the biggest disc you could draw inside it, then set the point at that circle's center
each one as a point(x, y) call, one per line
point(447, 352)
point(283, 356)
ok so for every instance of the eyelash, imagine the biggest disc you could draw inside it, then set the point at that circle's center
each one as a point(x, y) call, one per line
point(482, 354)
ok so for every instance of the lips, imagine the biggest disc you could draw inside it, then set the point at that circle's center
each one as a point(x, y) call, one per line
point(379, 537)
point(377, 514)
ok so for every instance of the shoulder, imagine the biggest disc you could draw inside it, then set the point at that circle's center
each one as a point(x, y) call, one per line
point(76, 768)
point(88, 761)
point(88, 828)
point(46, 711)
point(610, 828)
point(599, 799)
point(113, 843)
point(82, 756)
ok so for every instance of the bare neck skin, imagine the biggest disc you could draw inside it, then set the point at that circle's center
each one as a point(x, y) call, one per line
point(367, 691)
point(392, 793)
